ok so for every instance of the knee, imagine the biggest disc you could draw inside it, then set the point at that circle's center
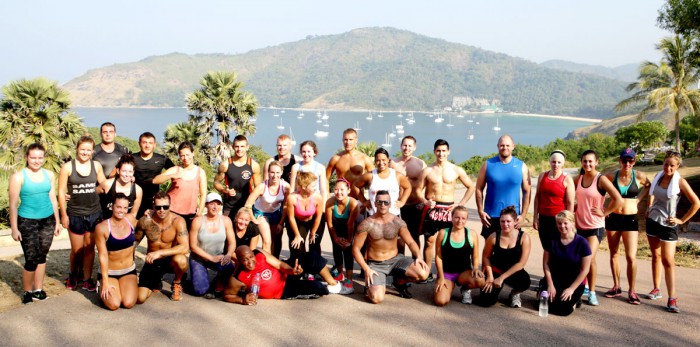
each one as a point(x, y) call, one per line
point(129, 302)
point(30, 266)
point(668, 262)
point(181, 262)
point(440, 299)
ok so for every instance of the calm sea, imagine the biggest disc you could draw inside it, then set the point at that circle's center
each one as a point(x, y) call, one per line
point(132, 122)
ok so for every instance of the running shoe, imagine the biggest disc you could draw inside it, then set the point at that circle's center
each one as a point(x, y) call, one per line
point(27, 298)
point(672, 306)
point(430, 279)
point(633, 299)
point(39, 295)
point(71, 283)
point(586, 291)
point(467, 296)
point(654, 294)
point(403, 290)
point(177, 292)
point(593, 299)
point(339, 277)
point(515, 300)
point(613, 292)
point(347, 283)
point(210, 296)
point(90, 285)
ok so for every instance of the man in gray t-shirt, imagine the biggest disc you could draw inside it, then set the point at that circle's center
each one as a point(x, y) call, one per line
point(108, 152)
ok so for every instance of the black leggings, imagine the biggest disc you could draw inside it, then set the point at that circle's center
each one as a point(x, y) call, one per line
point(343, 257)
point(519, 281)
point(37, 236)
point(295, 288)
point(565, 308)
point(304, 230)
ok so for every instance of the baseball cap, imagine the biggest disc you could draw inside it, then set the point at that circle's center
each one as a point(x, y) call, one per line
point(213, 197)
point(628, 153)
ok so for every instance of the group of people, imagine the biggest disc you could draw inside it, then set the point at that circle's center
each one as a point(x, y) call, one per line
point(109, 199)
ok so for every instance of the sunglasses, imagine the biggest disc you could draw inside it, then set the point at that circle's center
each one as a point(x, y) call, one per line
point(382, 202)
point(162, 207)
point(627, 161)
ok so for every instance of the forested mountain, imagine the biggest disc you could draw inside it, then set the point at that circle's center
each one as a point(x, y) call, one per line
point(625, 73)
point(369, 68)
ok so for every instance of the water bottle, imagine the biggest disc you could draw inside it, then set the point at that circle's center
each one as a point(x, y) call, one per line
point(255, 287)
point(544, 303)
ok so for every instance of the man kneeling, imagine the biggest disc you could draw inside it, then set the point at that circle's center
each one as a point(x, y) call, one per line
point(278, 279)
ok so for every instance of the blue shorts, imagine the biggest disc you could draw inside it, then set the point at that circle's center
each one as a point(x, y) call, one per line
point(273, 218)
point(80, 225)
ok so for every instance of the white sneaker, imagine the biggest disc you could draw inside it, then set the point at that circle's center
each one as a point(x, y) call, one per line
point(515, 300)
point(336, 288)
point(466, 296)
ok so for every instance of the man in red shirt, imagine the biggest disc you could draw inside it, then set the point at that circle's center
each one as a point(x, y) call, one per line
point(279, 279)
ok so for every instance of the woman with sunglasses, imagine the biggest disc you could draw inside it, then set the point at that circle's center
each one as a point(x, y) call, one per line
point(623, 224)
point(662, 224)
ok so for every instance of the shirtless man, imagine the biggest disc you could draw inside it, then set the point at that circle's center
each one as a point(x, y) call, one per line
point(508, 181)
point(108, 152)
point(439, 181)
point(349, 163)
point(380, 179)
point(237, 176)
point(381, 231)
point(168, 245)
point(411, 167)
point(284, 156)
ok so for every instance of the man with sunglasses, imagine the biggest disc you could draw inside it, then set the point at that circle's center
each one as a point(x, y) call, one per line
point(381, 231)
point(168, 245)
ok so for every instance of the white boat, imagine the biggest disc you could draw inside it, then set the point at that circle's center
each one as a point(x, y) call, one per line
point(386, 143)
point(470, 136)
point(301, 115)
point(325, 123)
point(410, 119)
point(283, 111)
point(496, 128)
point(321, 133)
point(439, 119)
point(357, 126)
point(399, 115)
point(280, 127)
point(392, 134)
point(275, 115)
point(460, 116)
point(369, 117)
point(380, 115)
point(325, 115)
point(399, 128)
point(318, 114)
point(449, 123)
point(291, 135)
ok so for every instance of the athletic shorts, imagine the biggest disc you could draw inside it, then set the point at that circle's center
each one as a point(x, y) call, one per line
point(80, 225)
point(395, 266)
point(486, 231)
point(598, 233)
point(117, 274)
point(622, 222)
point(273, 218)
point(451, 276)
point(151, 276)
point(662, 232)
point(436, 218)
point(411, 214)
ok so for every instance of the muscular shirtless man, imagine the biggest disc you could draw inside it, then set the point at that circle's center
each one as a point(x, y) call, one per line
point(237, 176)
point(439, 181)
point(349, 163)
point(381, 231)
point(284, 156)
point(411, 167)
point(168, 245)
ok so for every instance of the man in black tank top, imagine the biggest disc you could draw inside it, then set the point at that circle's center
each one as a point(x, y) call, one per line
point(284, 156)
point(108, 152)
point(148, 165)
point(237, 176)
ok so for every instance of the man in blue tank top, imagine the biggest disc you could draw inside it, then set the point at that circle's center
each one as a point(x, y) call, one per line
point(508, 182)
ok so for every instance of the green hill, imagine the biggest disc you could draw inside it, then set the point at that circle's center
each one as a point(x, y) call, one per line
point(369, 68)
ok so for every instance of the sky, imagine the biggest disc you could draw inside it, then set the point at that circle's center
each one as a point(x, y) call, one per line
point(62, 40)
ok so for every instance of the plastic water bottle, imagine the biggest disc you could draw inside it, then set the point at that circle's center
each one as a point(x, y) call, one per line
point(544, 303)
point(255, 286)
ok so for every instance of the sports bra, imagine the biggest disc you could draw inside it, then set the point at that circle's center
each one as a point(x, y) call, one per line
point(115, 244)
point(629, 191)
point(299, 213)
point(345, 214)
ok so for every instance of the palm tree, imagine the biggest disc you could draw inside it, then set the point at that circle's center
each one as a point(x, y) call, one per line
point(177, 133)
point(219, 107)
point(669, 84)
point(368, 148)
point(38, 111)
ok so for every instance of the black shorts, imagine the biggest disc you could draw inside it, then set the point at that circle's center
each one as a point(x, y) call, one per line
point(598, 233)
point(436, 218)
point(662, 232)
point(151, 276)
point(411, 213)
point(80, 225)
point(622, 222)
point(495, 226)
point(132, 272)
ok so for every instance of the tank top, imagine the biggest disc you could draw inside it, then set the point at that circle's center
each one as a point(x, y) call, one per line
point(340, 221)
point(287, 169)
point(301, 214)
point(238, 178)
point(390, 184)
point(629, 191)
point(456, 257)
point(107, 199)
point(35, 202)
point(115, 244)
point(84, 200)
point(503, 259)
point(212, 243)
point(663, 207)
point(552, 195)
point(503, 183)
point(267, 202)
point(586, 199)
point(183, 194)
point(316, 170)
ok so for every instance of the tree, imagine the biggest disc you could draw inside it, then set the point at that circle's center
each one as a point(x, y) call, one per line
point(38, 111)
point(221, 106)
point(642, 134)
point(669, 84)
point(177, 133)
point(680, 16)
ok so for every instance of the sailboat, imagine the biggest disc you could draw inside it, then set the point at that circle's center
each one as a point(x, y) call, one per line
point(325, 123)
point(380, 115)
point(357, 126)
point(410, 119)
point(325, 115)
point(369, 117)
point(321, 133)
point(439, 119)
point(386, 143)
point(496, 128)
point(291, 135)
point(275, 115)
point(280, 127)
point(399, 128)
point(399, 115)
point(449, 123)
point(470, 137)
point(301, 115)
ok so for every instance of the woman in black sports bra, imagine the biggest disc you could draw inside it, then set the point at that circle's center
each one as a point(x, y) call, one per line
point(623, 225)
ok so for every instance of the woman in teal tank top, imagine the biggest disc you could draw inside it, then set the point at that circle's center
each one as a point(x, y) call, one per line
point(34, 219)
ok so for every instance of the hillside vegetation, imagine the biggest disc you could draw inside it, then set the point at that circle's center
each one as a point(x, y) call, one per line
point(371, 68)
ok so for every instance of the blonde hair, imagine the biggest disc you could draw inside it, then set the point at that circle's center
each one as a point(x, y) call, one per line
point(566, 214)
point(305, 178)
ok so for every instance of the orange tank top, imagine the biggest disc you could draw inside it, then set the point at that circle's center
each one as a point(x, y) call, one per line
point(183, 194)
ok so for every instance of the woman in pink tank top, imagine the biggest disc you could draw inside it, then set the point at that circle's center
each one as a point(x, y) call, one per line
point(591, 188)
point(305, 212)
